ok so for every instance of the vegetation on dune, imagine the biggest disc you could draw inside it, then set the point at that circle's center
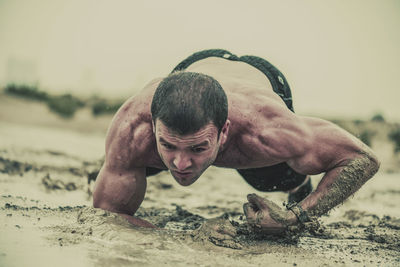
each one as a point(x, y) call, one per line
point(394, 136)
point(64, 105)
point(366, 136)
point(26, 91)
point(378, 117)
point(365, 130)
point(102, 106)
point(376, 127)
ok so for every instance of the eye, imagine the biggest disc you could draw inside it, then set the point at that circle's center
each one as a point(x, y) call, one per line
point(168, 146)
point(198, 149)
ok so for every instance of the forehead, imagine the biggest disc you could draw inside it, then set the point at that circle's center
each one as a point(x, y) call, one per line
point(207, 132)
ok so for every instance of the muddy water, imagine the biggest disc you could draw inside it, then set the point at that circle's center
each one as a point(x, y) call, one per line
point(46, 216)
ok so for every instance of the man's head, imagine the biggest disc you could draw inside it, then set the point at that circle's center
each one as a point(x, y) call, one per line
point(189, 112)
point(186, 101)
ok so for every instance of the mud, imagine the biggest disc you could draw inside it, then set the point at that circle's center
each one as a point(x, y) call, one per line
point(191, 232)
point(46, 217)
point(349, 180)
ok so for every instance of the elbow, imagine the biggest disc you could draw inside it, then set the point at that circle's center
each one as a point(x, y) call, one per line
point(101, 204)
point(99, 200)
point(97, 203)
point(376, 164)
point(104, 204)
point(373, 163)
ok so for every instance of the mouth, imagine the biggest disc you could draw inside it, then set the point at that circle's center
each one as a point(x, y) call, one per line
point(182, 174)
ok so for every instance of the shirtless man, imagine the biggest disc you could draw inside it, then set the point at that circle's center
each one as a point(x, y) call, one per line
point(232, 112)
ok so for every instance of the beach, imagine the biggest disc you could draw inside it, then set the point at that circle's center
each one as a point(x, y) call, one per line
point(48, 165)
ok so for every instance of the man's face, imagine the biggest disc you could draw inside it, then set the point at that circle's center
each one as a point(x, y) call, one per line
point(188, 156)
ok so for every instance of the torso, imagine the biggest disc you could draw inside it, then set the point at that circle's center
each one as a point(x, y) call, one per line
point(251, 101)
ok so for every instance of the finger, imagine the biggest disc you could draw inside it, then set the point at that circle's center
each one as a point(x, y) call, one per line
point(249, 212)
point(228, 231)
point(257, 200)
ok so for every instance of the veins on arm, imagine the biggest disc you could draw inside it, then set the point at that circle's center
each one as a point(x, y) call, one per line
point(345, 160)
point(285, 138)
point(340, 183)
point(121, 183)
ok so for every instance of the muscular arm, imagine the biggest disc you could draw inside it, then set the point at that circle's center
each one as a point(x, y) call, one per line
point(340, 183)
point(312, 146)
point(346, 161)
point(121, 183)
point(121, 191)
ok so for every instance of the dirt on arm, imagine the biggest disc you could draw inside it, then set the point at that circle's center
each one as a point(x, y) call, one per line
point(345, 182)
point(347, 163)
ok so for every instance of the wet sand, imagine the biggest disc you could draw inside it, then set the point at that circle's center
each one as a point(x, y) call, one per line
point(46, 216)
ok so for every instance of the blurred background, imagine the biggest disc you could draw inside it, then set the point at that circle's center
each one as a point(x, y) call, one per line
point(67, 65)
point(341, 58)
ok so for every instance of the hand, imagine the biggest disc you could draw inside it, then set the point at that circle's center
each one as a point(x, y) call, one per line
point(265, 215)
point(218, 231)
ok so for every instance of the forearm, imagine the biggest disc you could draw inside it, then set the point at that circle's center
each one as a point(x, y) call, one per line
point(130, 218)
point(340, 183)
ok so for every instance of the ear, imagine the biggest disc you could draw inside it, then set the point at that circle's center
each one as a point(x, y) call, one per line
point(224, 132)
point(154, 127)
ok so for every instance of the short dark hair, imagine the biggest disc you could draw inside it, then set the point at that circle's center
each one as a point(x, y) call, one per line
point(187, 101)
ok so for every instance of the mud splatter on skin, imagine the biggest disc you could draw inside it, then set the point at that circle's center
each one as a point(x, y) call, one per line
point(276, 213)
point(349, 180)
point(286, 228)
point(218, 231)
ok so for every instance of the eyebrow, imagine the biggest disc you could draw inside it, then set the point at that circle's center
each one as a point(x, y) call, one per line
point(164, 141)
point(201, 144)
point(204, 143)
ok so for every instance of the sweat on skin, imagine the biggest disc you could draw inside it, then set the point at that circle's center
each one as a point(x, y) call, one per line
point(259, 131)
point(187, 157)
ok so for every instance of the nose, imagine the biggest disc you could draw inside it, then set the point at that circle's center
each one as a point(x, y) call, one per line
point(182, 161)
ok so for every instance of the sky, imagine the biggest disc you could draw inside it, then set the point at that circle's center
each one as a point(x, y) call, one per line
point(341, 58)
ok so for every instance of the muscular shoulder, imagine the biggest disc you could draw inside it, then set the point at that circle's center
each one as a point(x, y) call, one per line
point(281, 134)
point(130, 139)
point(309, 145)
point(329, 146)
point(265, 132)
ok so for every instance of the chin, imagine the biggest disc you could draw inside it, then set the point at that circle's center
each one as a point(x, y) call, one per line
point(185, 181)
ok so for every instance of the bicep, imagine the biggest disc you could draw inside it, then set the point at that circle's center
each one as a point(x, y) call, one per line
point(119, 190)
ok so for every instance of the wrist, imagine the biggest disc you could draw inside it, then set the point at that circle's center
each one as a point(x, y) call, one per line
point(297, 214)
point(291, 218)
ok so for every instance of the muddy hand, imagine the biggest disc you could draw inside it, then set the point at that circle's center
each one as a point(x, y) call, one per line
point(218, 231)
point(219, 227)
point(265, 215)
